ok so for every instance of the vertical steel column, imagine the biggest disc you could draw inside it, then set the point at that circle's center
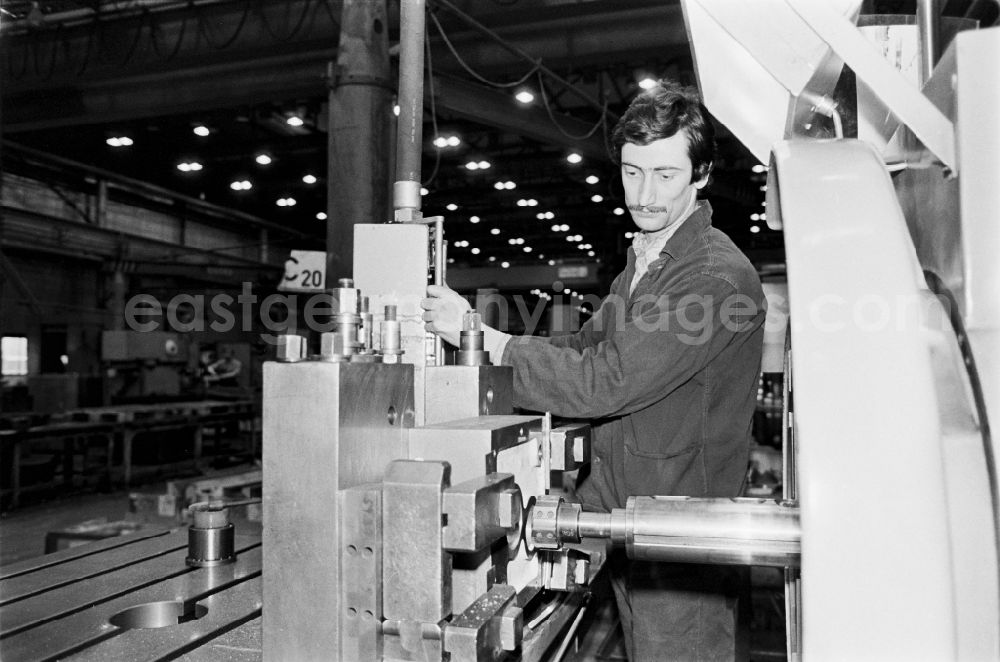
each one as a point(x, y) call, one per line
point(929, 35)
point(358, 140)
point(409, 133)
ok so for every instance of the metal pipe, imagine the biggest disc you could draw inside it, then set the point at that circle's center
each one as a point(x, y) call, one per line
point(409, 132)
point(929, 36)
point(726, 531)
point(440, 262)
point(603, 525)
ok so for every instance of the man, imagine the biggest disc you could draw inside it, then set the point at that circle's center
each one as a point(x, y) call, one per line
point(667, 368)
point(224, 371)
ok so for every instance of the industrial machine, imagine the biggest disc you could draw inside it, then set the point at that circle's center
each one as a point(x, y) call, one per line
point(410, 515)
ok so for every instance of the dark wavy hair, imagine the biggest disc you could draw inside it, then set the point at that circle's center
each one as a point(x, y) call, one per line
point(662, 111)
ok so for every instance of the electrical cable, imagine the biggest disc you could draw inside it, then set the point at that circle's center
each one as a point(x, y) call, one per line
point(177, 45)
point(602, 120)
point(52, 57)
point(937, 286)
point(294, 31)
point(481, 79)
point(204, 31)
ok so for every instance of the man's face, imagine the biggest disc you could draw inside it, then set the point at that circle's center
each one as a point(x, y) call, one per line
point(657, 181)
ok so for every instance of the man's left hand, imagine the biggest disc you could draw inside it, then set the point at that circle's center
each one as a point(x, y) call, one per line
point(443, 312)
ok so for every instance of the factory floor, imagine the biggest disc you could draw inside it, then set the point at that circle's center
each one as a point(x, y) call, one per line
point(23, 535)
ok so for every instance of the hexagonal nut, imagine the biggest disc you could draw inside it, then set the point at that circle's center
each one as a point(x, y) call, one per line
point(392, 358)
point(509, 507)
point(290, 348)
point(511, 628)
point(544, 522)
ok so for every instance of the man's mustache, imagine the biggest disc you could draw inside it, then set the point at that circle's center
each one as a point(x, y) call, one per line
point(647, 210)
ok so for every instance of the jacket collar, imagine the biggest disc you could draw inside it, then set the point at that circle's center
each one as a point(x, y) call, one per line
point(679, 244)
point(692, 227)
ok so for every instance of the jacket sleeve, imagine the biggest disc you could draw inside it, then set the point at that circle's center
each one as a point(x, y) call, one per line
point(590, 332)
point(662, 344)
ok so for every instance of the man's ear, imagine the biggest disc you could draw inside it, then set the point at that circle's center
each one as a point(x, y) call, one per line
point(703, 174)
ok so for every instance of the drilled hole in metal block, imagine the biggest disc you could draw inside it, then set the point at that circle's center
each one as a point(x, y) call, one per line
point(158, 615)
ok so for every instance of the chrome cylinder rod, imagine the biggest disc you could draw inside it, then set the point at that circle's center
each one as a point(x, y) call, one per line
point(409, 132)
point(683, 529)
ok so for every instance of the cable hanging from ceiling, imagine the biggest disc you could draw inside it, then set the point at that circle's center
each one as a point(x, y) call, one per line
point(470, 70)
point(64, 57)
point(538, 68)
point(204, 31)
point(601, 121)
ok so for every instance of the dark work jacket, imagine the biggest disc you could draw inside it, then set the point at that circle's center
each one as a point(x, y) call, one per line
point(668, 374)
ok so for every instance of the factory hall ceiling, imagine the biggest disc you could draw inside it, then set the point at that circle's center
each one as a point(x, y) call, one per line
point(227, 101)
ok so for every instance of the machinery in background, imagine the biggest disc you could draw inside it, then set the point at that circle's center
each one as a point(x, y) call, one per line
point(141, 365)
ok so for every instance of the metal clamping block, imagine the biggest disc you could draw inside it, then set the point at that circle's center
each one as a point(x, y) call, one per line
point(480, 510)
point(487, 629)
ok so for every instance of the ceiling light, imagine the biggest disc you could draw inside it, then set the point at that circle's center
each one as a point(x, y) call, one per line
point(285, 202)
point(509, 185)
point(498, 186)
point(549, 215)
point(263, 159)
point(647, 83)
point(483, 165)
point(241, 185)
point(555, 228)
point(495, 231)
point(321, 216)
point(540, 216)
point(582, 247)
point(474, 251)
point(454, 141)
point(309, 179)
point(505, 264)
point(492, 259)
point(395, 110)
point(590, 253)
point(527, 249)
point(618, 211)
point(294, 120)
point(201, 130)
point(512, 241)
point(473, 219)
point(764, 187)
point(451, 206)
point(119, 141)
point(758, 168)
point(519, 241)
point(524, 96)
point(597, 198)
point(552, 263)
point(423, 191)
point(192, 166)
point(472, 165)
point(629, 235)
point(571, 238)
point(564, 227)
point(755, 229)
point(541, 256)
point(574, 158)
point(754, 217)
point(440, 142)
point(592, 179)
